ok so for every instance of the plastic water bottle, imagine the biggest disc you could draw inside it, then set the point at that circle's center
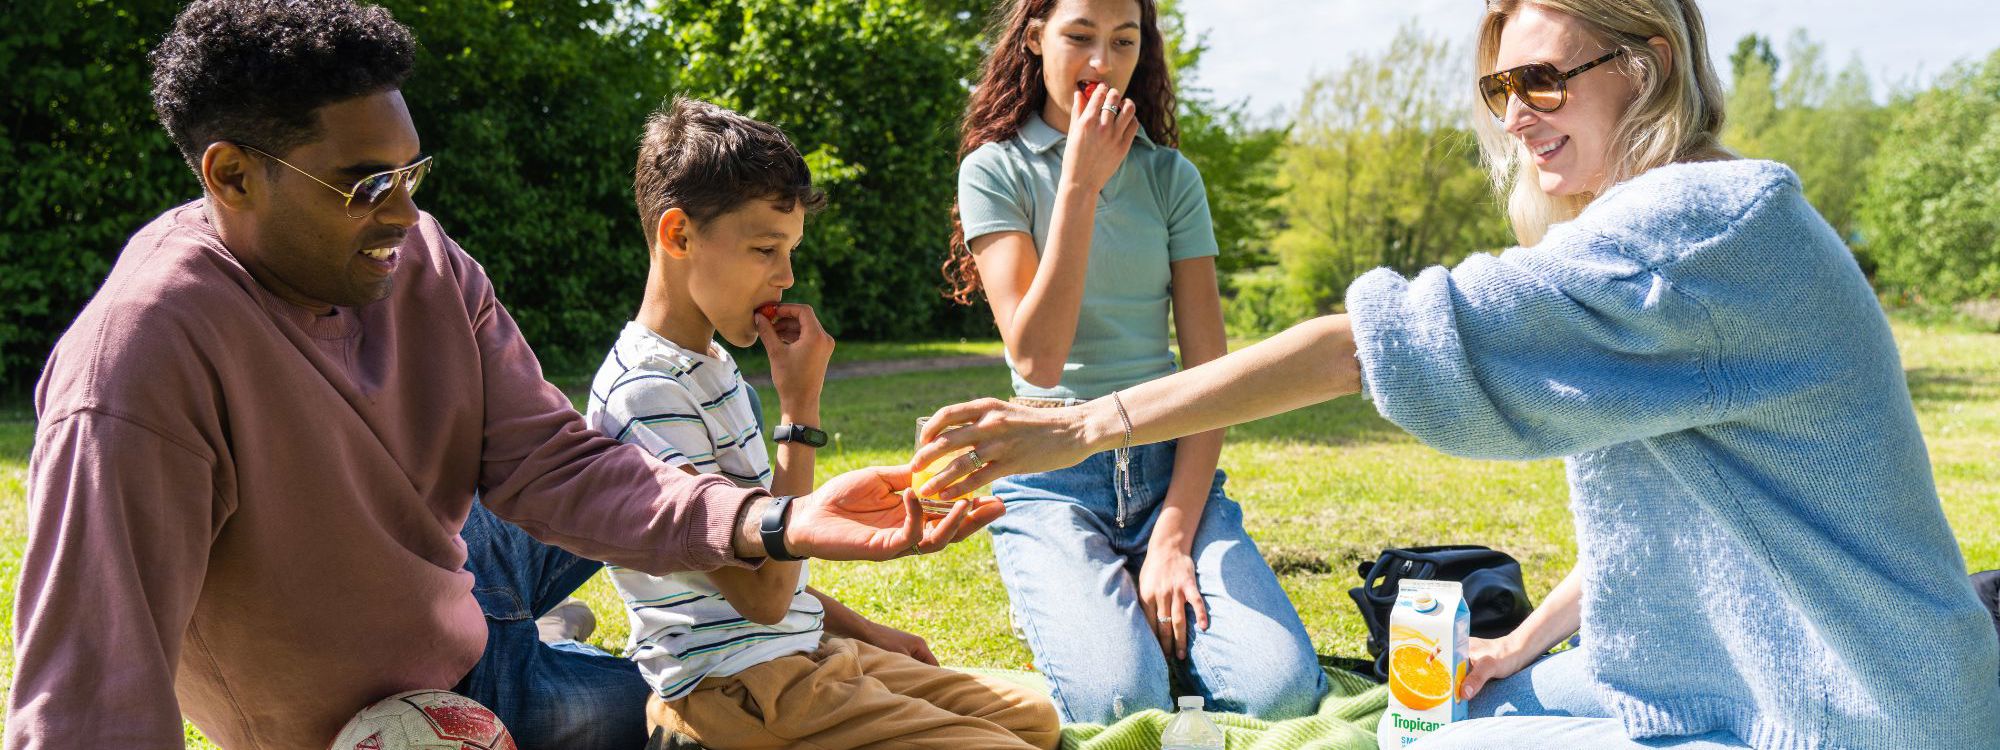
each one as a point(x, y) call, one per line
point(1191, 729)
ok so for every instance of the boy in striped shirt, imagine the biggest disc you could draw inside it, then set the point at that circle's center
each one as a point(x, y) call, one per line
point(755, 658)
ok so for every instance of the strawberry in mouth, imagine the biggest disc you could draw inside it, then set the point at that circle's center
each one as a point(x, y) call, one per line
point(769, 310)
point(1089, 87)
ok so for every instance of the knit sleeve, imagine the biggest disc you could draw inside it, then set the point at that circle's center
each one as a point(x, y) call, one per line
point(1538, 352)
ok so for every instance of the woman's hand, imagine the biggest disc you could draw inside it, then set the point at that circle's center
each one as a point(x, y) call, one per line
point(1006, 439)
point(1166, 591)
point(1492, 659)
point(1101, 128)
point(897, 641)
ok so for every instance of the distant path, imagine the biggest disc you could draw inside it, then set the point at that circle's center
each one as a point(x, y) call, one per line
point(875, 368)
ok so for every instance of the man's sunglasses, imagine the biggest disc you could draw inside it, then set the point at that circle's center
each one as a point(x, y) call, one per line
point(1538, 85)
point(369, 192)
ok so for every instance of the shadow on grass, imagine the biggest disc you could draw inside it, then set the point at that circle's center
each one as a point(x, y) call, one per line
point(1951, 385)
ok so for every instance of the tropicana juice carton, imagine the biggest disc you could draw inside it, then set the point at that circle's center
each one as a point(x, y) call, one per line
point(1427, 632)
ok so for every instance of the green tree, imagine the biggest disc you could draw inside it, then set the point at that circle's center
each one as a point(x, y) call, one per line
point(1381, 171)
point(1238, 159)
point(1825, 126)
point(1931, 214)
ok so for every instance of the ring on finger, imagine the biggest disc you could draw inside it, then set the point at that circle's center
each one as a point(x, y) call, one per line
point(1112, 108)
point(973, 453)
point(1166, 618)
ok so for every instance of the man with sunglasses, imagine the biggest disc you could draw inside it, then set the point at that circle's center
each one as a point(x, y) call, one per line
point(252, 496)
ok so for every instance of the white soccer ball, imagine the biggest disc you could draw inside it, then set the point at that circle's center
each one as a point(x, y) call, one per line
point(424, 720)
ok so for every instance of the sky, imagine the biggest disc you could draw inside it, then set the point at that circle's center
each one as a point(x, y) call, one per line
point(1264, 51)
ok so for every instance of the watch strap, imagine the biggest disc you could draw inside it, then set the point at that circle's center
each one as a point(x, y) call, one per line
point(812, 437)
point(772, 529)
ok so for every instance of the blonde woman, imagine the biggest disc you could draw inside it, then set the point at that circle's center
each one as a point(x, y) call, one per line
point(1762, 558)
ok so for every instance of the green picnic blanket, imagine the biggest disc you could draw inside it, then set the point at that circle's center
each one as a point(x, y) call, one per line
point(1345, 721)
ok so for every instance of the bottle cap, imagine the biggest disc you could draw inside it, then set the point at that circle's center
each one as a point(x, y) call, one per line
point(1425, 602)
point(1191, 702)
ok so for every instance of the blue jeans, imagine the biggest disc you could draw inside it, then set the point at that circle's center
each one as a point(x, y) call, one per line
point(1552, 704)
point(569, 695)
point(1071, 572)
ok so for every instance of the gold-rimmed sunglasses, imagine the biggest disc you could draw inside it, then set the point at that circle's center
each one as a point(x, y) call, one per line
point(369, 192)
point(1538, 85)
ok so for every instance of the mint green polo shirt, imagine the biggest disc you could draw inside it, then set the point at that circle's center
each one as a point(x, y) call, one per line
point(1152, 212)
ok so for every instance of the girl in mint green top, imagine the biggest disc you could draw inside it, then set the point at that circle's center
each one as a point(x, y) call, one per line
point(1086, 229)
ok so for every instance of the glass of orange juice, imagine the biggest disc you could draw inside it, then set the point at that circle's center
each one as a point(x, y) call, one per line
point(932, 505)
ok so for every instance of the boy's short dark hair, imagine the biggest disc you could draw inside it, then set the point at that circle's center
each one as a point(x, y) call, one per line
point(706, 160)
point(253, 71)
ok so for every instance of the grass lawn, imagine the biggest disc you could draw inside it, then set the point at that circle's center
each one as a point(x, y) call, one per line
point(1322, 489)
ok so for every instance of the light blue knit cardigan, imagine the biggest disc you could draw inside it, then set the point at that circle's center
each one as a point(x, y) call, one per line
point(1762, 546)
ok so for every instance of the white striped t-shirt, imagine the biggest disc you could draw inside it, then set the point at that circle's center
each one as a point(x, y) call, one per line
point(691, 409)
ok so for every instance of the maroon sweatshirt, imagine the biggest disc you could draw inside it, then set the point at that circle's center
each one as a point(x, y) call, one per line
point(248, 513)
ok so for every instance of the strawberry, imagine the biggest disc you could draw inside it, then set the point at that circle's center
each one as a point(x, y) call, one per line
point(769, 310)
point(1090, 87)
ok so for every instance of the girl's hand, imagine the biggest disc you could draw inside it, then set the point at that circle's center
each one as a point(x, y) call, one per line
point(1492, 659)
point(1099, 137)
point(1166, 591)
point(896, 641)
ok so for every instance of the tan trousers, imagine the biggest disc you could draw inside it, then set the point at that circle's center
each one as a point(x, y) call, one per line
point(849, 694)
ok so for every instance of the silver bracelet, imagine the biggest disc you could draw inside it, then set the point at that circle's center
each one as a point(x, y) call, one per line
point(1122, 458)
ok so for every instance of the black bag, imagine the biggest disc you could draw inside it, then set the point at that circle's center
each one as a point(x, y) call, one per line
point(1494, 591)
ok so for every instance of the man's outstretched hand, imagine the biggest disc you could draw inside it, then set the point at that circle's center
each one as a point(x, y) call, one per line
point(868, 514)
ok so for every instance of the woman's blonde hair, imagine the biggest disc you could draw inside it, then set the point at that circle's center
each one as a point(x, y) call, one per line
point(1676, 116)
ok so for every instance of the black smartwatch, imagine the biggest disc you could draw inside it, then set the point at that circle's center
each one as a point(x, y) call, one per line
point(772, 529)
point(811, 437)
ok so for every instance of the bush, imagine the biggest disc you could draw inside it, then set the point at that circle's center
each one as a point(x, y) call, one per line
point(86, 163)
point(1931, 216)
point(533, 109)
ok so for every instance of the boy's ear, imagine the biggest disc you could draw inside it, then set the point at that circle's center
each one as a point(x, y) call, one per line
point(670, 234)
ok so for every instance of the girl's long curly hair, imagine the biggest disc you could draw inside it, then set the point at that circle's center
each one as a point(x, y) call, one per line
point(1010, 91)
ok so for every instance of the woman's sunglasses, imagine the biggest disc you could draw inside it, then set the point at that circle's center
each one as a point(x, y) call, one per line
point(1538, 85)
point(369, 193)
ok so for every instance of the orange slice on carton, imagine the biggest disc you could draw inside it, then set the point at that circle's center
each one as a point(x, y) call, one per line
point(1418, 679)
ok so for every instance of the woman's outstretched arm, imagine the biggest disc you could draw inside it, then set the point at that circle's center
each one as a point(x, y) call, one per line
point(1308, 363)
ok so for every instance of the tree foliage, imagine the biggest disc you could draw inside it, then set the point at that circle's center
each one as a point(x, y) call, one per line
point(1931, 215)
point(1825, 126)
point(1380, 170)
point(86, 163)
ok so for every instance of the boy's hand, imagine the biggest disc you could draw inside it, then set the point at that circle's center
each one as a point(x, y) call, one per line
point(899, 642)
point(798, 348)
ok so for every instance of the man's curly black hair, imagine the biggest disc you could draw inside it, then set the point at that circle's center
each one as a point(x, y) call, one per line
point(253, 71)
